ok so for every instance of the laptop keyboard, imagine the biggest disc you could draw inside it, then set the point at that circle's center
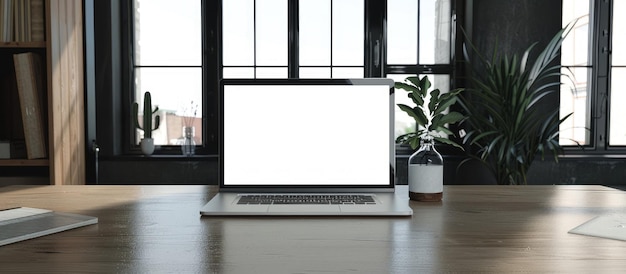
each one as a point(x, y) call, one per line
point(305, 199)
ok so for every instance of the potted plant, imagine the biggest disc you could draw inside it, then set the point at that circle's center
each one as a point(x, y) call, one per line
point(506, 126)
point(147, 143)
point(425, 170)
point(429, 112)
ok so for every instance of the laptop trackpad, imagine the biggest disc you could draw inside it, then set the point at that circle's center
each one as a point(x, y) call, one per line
point(303, 208)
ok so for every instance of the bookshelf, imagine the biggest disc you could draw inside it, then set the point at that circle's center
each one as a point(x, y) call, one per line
point(61, 94)
point(25, 45)
point(24, 162)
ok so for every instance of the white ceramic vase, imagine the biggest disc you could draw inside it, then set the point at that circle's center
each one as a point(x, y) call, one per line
point(147, 146)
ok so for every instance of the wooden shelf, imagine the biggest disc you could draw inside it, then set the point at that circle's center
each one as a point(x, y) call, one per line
point(38, 44)
point(62, 94)
point(24, 162)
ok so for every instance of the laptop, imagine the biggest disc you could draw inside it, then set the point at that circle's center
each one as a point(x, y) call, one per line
point(307, 147)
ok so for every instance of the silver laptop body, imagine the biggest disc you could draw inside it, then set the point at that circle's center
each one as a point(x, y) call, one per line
point(303, 137)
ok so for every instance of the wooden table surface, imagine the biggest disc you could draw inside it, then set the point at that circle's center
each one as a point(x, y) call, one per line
point(158, 229)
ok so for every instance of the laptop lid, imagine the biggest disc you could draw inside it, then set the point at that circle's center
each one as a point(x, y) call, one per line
point(307, 135)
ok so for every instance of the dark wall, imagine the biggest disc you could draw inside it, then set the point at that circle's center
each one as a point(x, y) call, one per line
point(569, 170)
point(579, 170)
point(158, 171)
point(506, 28)
point(511, 26)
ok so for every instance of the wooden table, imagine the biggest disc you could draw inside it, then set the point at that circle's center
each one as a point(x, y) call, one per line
point(156, 229)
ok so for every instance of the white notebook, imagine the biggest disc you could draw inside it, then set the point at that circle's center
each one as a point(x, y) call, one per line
point(611, 226)
point(23, 223)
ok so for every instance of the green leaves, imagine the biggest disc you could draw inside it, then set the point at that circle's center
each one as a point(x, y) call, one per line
point(429, 111)
point(416, 113)
point(505, 124)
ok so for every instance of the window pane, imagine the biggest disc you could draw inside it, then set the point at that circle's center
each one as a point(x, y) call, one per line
point(174, 91)
point(618, 112)
point(271, 32)
point(575, 99)
point(404, 123)
point(617, 126)
point(314, 72)
point(271, 72)
point(575, 95)
point(348, 32)
point(182, 29)
point(575, 47)
point(237, 32)
point(619, 35)
point(434, 32)
point(402, 32)
point(348, 72)
point(238, 73)
point(314, 33)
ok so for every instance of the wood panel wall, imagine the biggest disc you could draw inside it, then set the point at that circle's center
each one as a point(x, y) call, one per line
point(64, 30)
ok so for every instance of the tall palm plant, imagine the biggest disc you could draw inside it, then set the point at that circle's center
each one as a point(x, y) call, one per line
point(505, 126)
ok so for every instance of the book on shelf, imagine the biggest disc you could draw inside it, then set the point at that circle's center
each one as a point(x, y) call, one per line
point(21, 17)
point(22, 20)
point(6, 20)
point(37, 24)
point(30, 85)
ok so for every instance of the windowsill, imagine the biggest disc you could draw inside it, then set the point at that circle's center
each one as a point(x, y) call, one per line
point(159, 157)
point(593, 156)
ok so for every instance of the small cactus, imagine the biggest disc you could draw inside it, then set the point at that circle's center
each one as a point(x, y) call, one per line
point(147, 116)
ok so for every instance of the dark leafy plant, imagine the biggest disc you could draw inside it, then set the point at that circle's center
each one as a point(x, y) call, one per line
point(428, 112)
point(506, 128)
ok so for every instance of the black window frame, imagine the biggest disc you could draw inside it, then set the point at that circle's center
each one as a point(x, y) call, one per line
point(210, 17)
point(601, 31)
point(374, 65)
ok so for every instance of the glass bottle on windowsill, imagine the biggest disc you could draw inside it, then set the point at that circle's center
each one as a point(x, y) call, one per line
point(188, 145)
point(425, 174)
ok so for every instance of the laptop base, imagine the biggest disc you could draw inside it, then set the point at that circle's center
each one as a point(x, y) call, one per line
point(387, 204)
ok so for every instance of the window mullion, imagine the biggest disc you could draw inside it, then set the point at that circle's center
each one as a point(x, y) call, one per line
point(375, 42)
point(600, 72)
point(211, 37)
point(293, 38)
point(331, 38)
point(254, 38)
point(419, 12)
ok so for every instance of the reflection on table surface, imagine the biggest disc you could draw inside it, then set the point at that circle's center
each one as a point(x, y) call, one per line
point(154, 229)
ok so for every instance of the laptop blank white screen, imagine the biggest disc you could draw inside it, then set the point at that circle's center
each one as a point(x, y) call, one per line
point(307, 135)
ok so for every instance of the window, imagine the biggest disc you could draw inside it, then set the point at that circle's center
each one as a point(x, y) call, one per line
point(617, 72)
point(275, 39)
point(168, 63)
point(575, 95)
point(254, 35)
point(595, 62)
point(331, 38)
point(329, 42)
point(418, 42)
